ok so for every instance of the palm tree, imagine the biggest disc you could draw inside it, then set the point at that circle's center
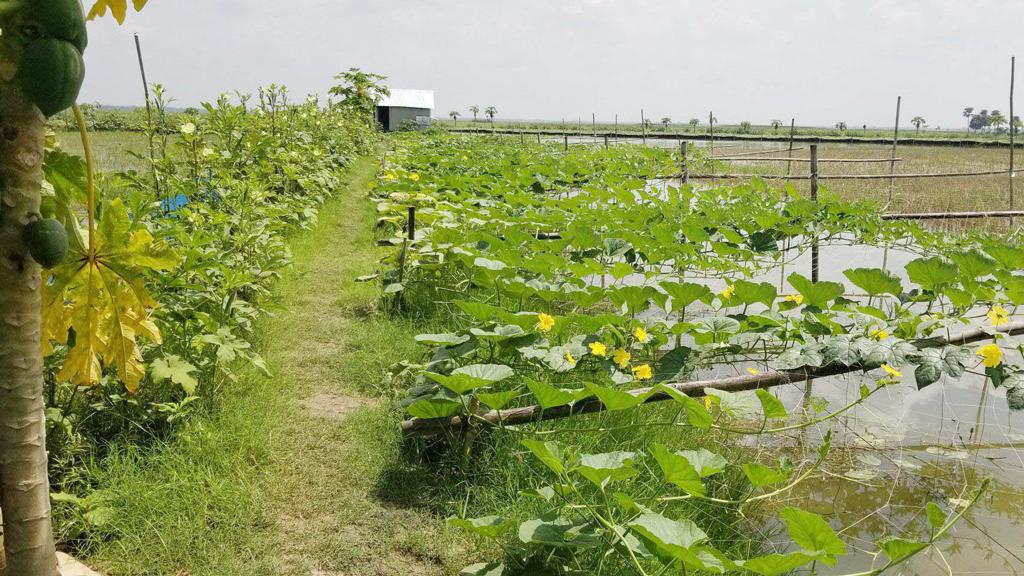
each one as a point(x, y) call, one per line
point(455, 118)
point(694, 122)
point(917, 121)
point(475, 110)
point(491, 111)
point(841, 126)
point(968, 112)
point(996, 120)
point(665, 122)
point(776, 124)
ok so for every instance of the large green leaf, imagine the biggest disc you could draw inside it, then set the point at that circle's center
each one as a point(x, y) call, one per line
point(933, 363)
point(434, 408)
point(487, 526)
point(898, 549)
point(932, 273)
point(875, 281)
point(813, 534)
point(467, 378)
point(685, 293)
point(678, 470)
point(607, 467)
point(816, 293)
point(754, 292)
point(705, 462)
point(549, 396)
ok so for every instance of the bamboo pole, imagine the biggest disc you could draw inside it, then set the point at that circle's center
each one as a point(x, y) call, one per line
point(643, 126)
point(846, 176)
point(814, 197)
point(895, 140)
point(513, 416)
point(684, 168)
point(1011, 214)
point(792, 132)
point(742, 158)
point(759, 152)
point(711, 128)
point(1013, 65)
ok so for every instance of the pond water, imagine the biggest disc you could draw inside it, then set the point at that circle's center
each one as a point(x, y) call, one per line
point(901, 448)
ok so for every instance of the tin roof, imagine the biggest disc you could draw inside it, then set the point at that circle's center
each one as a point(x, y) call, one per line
point(409, 99)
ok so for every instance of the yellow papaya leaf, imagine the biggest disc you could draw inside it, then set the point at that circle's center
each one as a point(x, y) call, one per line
point(102, 298)
point(118, 9)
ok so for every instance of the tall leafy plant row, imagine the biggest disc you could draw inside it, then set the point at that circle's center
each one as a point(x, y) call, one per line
point(143, 289)
point(575, 281)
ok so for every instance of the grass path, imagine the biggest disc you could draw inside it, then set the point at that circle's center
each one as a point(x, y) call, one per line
point(336, 461)
point(299, 474)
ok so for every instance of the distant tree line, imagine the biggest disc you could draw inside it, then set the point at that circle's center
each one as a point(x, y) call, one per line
point(989, 121)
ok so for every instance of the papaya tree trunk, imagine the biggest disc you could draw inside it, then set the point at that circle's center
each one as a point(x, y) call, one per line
point(24, 486)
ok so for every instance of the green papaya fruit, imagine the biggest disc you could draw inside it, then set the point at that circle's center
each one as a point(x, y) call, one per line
point(61, 19)
point(47, 242)
point(50, 74)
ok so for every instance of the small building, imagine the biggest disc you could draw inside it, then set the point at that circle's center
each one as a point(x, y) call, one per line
point(405, 108)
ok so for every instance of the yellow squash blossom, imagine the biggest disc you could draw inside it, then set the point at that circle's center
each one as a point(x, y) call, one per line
point(545, 322)
point(414, 177)
point(796, 298)
point(643, 372)
point(991, 355)
point(598, 349)
point(753, 371)
point(892, 371)
point(570, 359)
point(728, 292)
point(707, 402)
point(621, 357)
point(878, 334)
point(640, 334)
point(390, 175)
point(998, 315)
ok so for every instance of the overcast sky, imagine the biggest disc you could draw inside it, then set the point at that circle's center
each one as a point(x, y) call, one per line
point(820, 61)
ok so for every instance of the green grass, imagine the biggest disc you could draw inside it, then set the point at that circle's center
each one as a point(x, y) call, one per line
point(267, 485)
point(112, 151)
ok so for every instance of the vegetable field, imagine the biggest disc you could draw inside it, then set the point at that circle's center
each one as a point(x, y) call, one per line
point(651, 354)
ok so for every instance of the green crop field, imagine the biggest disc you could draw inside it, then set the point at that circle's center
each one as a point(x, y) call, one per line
point(262, 336)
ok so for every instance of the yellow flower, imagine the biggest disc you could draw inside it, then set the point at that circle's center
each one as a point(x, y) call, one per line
point(878, 334)
point(640, 334)
point(464, 157)
point(728, 292)
point(998, 315)
point(642, 372)
point(414, 177)
point(753, 371)
point(545, 322)
point(892, 371)
point(707, 402)
point(598, 349)
point(991, 355)
point(570, 359)
point(797, 298)
point(390, 175)
point(621, 357)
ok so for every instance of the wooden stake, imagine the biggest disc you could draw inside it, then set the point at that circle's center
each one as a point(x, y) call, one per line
point(792, 132)
point(643, 126)
point(711, 127)
point(1013, 65)
point(593, 124)
point(814, 197)
point(412, 223)
point(149, 119)
point(684, 170)
point(566, 139)
point(895, 140)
